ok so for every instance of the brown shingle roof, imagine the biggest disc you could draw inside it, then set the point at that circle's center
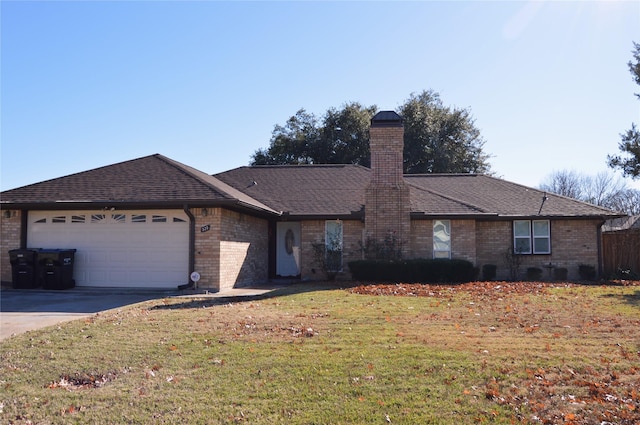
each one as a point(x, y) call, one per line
point(490, 195)
point(297, 190)
point(623, 223)
point(303, 190)
point(330, 190)
point(152, 180)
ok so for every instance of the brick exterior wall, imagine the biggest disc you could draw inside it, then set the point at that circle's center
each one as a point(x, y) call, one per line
point(421, 242)
point(463, 239)
point(244, 249)
point(233, 252)
point(312, 232)
point(387, 204)
point(494, 238)
point(9, 239)
point(573, 242)
point(207, 246)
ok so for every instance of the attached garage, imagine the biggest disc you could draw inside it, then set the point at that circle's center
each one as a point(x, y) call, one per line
point(140, 248)
point(145, 223)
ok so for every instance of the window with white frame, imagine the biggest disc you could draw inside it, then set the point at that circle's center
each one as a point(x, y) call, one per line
point(333, 245)
point(441, 239)
point(532, 237)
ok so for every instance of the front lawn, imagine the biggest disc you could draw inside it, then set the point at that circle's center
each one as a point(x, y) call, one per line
point(316, 354)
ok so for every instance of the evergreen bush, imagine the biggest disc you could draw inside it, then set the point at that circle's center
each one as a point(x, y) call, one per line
point(534, 273)
point(418, 270)
point(489, 271)
point(560, 274)
point(587, 272)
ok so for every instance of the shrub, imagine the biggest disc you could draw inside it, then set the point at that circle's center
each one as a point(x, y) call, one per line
point(534, 273)
point(560, 273)
point(586, 272)
point(329, 261)
point(489, 271)
point(512, 260)
point(416, 270)
point(390, 248)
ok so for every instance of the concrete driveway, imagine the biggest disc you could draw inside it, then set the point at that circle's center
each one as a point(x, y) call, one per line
point(24, 310)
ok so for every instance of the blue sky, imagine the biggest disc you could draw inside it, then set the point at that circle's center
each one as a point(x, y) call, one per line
point(88, 84)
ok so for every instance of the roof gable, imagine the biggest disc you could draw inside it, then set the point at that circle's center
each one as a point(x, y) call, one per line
point(153, 179)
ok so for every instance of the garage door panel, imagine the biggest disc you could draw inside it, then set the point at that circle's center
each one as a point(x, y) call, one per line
point(139, 237)
point(138, 256)
point(94, 257)
point(96, 277)
point(118, 257)
point(119, 276)
point(159, 277)
point(115, 249)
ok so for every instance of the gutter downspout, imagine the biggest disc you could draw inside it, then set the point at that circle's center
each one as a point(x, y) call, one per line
point(192, 244)
point(24, 221)
point(600, 254)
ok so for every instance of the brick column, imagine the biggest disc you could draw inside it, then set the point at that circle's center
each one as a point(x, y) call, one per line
point(387, 204)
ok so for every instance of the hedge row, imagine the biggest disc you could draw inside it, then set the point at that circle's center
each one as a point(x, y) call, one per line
point(413, 271)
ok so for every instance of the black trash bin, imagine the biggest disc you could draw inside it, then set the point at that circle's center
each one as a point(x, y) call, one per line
point(56, 268)
point(24, 268)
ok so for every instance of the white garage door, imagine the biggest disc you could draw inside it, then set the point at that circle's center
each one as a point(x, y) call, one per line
point(118, 248)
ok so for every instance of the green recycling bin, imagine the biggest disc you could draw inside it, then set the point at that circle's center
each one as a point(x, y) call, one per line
point(56, 268)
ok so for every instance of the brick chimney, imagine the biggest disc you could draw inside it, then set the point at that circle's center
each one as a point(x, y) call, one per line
point(387, 205)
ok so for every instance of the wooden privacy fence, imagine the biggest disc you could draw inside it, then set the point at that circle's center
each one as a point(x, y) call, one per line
point(621, 251)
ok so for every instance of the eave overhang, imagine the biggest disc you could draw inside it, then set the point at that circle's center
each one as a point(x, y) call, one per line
point(130, 205)
point(355, 215)
point(496, 217)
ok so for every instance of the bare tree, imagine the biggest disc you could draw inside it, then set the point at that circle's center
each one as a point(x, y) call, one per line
point(566, 183)
point(627, 201)
point(604, 189)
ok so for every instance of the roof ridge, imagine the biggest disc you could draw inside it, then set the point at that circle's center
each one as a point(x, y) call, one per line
point(216, 184)
point(300, 166)
point(81, 172)
point(191, 172)
point(444, 174)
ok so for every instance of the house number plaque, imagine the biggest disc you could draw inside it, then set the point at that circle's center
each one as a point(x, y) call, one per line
point(205, 228)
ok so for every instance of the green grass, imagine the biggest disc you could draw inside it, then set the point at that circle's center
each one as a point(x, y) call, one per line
point(319, 355)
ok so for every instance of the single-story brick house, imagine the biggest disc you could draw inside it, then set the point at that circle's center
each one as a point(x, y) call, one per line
point(150, 222)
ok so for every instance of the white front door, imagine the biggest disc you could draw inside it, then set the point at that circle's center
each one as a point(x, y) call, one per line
point(288, 249)
point(147, 248)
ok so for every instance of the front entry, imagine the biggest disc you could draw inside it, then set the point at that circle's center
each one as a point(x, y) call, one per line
point(288, 249)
